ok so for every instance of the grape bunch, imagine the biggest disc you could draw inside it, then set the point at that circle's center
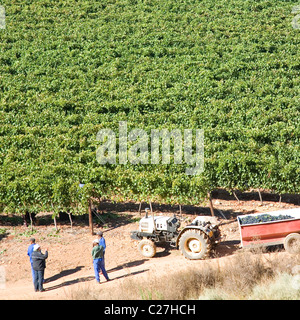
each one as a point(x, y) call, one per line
point(263, 218)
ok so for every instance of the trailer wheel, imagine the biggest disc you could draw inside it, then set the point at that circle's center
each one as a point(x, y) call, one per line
point(194, 244)
point(147, 248)
point(292, 243)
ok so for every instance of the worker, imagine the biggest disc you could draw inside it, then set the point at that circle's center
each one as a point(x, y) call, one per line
point(97, 254)
point(29, 253)
point(39, 265)
point(103, 244)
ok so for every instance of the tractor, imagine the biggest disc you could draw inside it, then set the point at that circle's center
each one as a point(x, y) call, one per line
point(195, 241)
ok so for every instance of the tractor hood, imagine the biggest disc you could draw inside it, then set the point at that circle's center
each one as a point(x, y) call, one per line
point(161, 223)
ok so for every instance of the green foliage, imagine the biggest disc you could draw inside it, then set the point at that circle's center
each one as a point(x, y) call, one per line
point(70, 68)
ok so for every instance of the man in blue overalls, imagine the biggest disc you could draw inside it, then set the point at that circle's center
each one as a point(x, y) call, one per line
point(29, 253)
point(102, 243)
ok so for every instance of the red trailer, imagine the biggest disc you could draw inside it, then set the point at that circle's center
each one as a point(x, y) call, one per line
point(286, 232)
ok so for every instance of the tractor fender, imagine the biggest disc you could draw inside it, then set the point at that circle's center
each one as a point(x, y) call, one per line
point(203, 229)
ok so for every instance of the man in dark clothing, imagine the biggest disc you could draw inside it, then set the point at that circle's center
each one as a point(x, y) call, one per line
point(39, 265)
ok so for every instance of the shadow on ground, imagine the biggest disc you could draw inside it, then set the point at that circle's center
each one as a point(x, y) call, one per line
point(63, 273)
point(90, 278)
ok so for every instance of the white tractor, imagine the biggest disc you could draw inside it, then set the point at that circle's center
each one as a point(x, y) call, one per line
point(195, 240)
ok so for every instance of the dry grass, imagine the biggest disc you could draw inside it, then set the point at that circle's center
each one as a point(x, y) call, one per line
point(243, 272)
point(246, 275)
point(258, 275)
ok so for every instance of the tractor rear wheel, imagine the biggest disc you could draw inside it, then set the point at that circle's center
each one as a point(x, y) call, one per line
point(147, 248)
point(194, 244)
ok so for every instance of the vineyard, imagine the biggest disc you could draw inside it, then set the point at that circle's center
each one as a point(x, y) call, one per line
point(71, 68)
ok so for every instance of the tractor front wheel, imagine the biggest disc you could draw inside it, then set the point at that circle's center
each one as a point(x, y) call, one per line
point(147, 248)
point(194, 244)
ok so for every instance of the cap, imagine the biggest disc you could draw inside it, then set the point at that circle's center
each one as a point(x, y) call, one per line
point(36, 247)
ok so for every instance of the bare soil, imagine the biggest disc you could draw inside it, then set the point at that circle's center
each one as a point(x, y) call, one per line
point(69, 265)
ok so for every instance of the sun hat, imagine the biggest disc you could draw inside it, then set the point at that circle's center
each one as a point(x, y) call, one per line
point(96, 241)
